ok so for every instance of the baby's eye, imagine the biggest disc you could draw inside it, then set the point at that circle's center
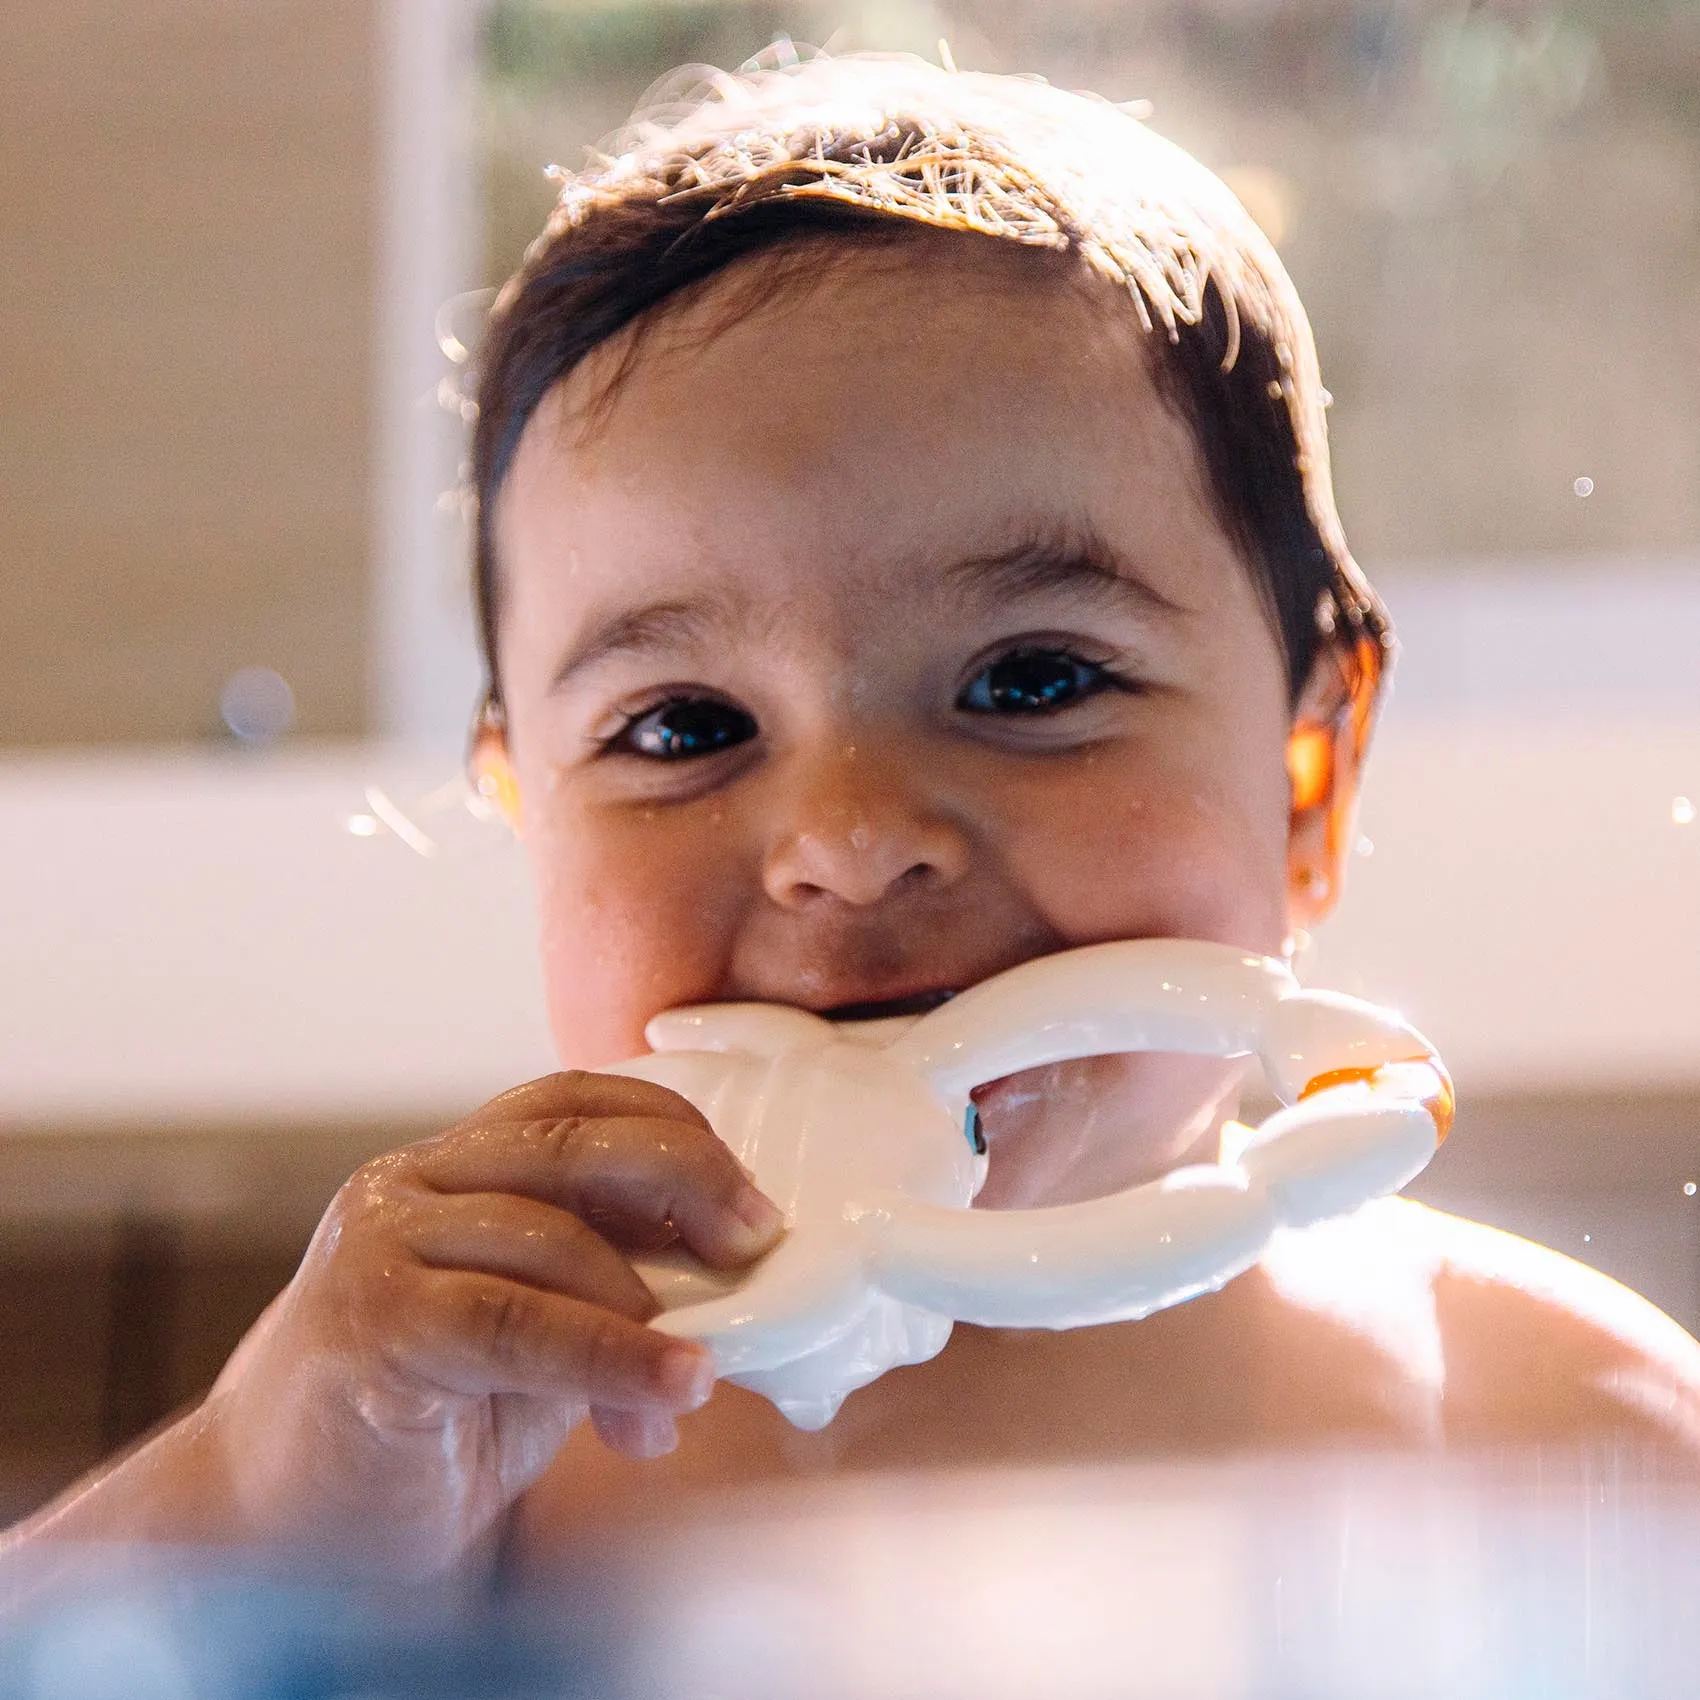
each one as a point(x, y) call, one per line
point(685, 727)
point(1034, 681)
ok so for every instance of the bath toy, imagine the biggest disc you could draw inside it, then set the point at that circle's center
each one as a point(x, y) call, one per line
point(865, 1135)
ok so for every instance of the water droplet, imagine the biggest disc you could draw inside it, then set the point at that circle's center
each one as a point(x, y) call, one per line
point(1682, 811)
point(384, 810)
point(257, 704)
point(1587, 1239)
point(1583, 487)
point(1366, 846)
point(362, 826)
point(1689, 1188)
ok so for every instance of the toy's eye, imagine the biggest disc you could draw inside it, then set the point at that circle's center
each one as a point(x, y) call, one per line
point(686, 727)
point(971, 1127)
point(1034, 681)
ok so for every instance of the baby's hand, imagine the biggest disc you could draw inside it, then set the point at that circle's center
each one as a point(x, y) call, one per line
point(465, 1304)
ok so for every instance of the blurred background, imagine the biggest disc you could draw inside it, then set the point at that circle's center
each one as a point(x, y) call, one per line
point(252, 929)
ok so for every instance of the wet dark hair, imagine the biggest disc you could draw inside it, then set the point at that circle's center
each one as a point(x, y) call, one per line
point(864, 150)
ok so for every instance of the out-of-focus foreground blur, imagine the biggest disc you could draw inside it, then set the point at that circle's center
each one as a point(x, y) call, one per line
point(1571, 1578)
point(251, 930)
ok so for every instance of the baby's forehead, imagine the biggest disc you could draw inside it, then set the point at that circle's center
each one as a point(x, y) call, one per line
point(904, 393)
point(883, 302)
point(783, 478)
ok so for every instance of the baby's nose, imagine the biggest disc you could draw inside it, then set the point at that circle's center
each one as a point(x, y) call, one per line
point(859, 827)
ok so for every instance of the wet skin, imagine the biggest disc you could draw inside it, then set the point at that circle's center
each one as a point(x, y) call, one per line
point(867, 639)
point(878, 638)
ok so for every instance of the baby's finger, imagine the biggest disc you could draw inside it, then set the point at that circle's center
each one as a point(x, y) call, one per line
point(646, 1433)
point(574, 1092)
point(500, 1234)
point(479, 1334)
point(632, 1178)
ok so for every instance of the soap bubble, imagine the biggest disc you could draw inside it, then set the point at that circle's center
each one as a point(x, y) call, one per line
point(1682, 811)
point(1583, 487)
point(1689, 1188)
point(362, 826)
point(257, 704)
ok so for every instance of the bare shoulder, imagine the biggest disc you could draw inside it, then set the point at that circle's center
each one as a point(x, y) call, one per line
point(1536, 1339)
point(1519, 1342)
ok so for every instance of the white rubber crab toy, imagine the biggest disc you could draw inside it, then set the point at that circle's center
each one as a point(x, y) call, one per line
point(865, 1136)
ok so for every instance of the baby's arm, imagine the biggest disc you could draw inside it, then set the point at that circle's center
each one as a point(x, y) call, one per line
point(463, 1306)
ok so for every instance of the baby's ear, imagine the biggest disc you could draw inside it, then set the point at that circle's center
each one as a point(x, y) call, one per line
point(489, 766)
point(1325, 751)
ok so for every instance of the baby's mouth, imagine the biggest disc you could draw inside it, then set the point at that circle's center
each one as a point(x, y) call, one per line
point(884, 1009)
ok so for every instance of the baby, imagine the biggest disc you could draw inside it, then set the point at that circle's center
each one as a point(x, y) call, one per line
point(905, 548)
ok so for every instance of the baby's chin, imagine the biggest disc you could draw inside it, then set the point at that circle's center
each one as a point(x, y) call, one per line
point(1078, 1130)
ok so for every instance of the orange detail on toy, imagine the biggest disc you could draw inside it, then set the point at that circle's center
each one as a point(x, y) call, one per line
point(1435, 1093)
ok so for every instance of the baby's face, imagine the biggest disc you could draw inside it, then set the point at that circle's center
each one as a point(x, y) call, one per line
point(878, 641)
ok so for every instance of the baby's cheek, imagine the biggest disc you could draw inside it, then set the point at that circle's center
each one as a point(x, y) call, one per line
point(1161, 861)
point(627, 930)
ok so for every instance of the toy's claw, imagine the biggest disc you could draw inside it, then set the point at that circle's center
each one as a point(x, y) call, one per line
point(1141, 995)
point(1337, 1150)
point(1107, 1260)
point(1122, 1257)
point(1316, 1039)
point(1423, 1079)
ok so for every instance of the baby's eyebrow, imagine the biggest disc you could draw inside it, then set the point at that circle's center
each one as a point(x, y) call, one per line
point(650, 630)
point(1074, 562)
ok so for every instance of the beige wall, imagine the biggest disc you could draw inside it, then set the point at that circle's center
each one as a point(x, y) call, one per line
point(186, 251)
